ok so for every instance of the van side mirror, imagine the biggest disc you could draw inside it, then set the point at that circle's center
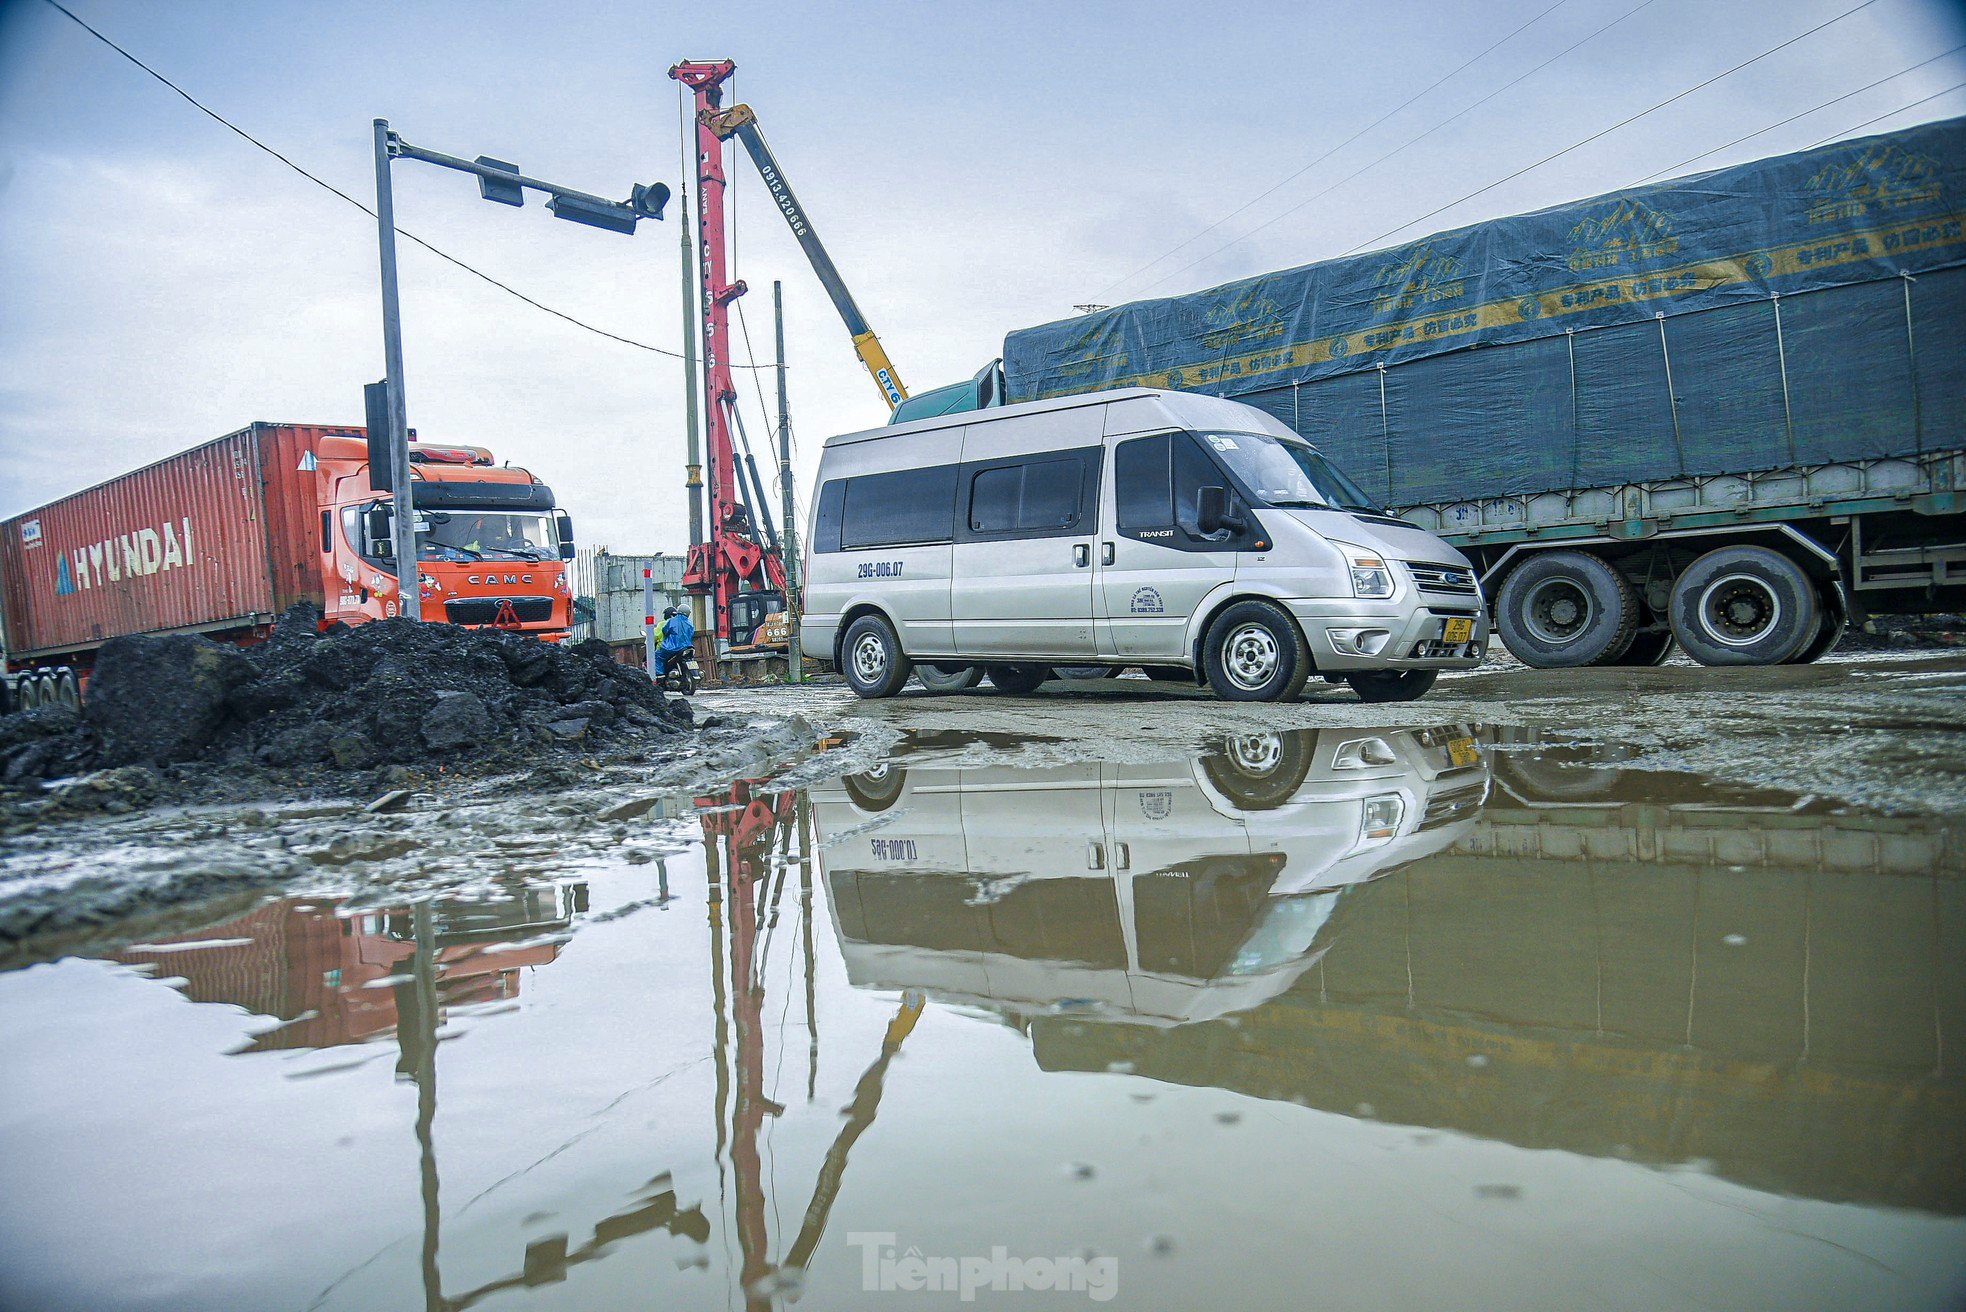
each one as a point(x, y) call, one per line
point(564, 522)
point(1211, 510)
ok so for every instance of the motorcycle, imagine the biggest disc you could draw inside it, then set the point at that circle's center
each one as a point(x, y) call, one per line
point(679, 674)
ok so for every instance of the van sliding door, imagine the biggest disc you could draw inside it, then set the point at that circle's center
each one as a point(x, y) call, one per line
point(1026, 512)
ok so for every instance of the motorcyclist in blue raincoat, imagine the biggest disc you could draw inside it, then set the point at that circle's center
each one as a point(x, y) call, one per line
point(678, 635)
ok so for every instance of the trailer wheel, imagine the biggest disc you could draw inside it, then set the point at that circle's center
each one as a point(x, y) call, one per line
point(1565, 609)
point(1017, 678)
point(875, 665)
point(959, 678)
point(1392, 685)
point(28, 691)
point(1744, 605)
point(1650, 647)
point(67, 691)
point(1834, 621)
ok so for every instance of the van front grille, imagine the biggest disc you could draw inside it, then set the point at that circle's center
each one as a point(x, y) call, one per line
point(1455, 580)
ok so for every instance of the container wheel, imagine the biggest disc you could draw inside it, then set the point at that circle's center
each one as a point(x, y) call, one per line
point(955, 678)
point(68, 692)
point(27, 691)
point(1835, 621)
point(1649, 647)
point(1744, 605)
point(1017, 678)
point(1392, 685)
point(1564, 609)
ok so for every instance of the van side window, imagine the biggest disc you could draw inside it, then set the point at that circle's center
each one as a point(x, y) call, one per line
point(826, 518)
point(1037, 496)
point(1141, 488)
point(1157, 481)
point(908, 505)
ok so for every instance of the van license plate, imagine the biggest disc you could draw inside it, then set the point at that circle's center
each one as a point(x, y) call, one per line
point(1455, 632)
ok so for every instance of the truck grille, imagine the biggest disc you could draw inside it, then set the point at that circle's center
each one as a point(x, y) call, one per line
point(1453, 579)
point(484, 610)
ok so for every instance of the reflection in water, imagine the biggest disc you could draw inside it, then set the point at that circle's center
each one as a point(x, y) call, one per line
point(1352, 931)
point(1169, 892)
point(333, 978)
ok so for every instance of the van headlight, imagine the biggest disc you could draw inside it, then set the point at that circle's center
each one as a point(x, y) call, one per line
point(1372, 574)
point(1363, 754)
point(1381, 819)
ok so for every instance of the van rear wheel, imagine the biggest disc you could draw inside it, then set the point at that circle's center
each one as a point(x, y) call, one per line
point(874, 663)
point(1254, 652)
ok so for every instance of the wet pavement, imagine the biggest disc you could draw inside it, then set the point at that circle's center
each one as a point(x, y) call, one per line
point(1391, 1013)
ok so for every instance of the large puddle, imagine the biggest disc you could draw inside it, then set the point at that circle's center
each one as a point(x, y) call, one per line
point(1334, 1019)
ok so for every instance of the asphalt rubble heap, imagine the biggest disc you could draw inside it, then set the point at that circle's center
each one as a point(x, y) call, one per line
point(377, 706)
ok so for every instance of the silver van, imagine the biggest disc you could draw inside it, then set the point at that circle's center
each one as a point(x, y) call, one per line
point(1193, 537)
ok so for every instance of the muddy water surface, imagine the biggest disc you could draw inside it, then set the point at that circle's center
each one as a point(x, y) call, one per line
point(1333, 1018)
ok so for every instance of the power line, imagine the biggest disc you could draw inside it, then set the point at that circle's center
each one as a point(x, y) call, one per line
point(1881, 117)
point(1329, 153)
point(1373, 241)
point(1674, 168)
point(1461, 113)
point(248, 137)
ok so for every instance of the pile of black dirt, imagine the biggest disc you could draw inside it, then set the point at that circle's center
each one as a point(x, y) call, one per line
point(355, 707)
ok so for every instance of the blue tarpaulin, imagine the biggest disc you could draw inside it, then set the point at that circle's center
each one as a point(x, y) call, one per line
point(1794, 310)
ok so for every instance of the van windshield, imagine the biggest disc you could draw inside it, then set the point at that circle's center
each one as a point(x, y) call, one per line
point(1284, 474)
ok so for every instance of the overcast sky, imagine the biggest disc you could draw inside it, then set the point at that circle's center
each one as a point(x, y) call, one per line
point(974, 169)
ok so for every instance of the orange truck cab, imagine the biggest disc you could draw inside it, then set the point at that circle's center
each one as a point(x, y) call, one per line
point(492, 546)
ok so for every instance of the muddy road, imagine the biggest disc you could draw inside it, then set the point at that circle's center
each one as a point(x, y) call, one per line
point(1552, 990)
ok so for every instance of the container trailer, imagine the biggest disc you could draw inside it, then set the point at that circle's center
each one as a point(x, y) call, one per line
point(222, 538)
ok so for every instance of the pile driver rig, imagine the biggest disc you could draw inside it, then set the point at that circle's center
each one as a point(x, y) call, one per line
point(741, 569)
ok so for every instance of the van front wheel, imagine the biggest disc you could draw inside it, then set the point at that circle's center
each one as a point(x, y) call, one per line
point(874, 664)
point(1255, 653)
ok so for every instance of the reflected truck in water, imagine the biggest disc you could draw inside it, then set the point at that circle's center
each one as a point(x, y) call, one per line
point(331, 974)
point(1172, 890)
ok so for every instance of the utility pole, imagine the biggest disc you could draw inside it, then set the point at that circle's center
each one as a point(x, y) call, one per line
point(693, 478)
point(409, 592)
point(790, 542)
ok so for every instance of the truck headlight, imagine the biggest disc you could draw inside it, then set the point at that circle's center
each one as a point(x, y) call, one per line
point(1372, 574)
point(1381, 818)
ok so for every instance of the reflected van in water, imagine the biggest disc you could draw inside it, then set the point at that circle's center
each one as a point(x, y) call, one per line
point(1352, 1018)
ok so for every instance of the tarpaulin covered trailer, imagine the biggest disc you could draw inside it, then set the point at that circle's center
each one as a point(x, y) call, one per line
point(1775, 347)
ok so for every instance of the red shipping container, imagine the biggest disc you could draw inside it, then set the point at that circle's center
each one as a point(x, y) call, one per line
point(218, 539)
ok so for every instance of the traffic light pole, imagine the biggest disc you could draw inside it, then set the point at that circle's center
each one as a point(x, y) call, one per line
point(409, 593)
point(497, 181)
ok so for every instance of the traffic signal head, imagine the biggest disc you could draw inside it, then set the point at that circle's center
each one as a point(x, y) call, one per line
point(648, 199)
